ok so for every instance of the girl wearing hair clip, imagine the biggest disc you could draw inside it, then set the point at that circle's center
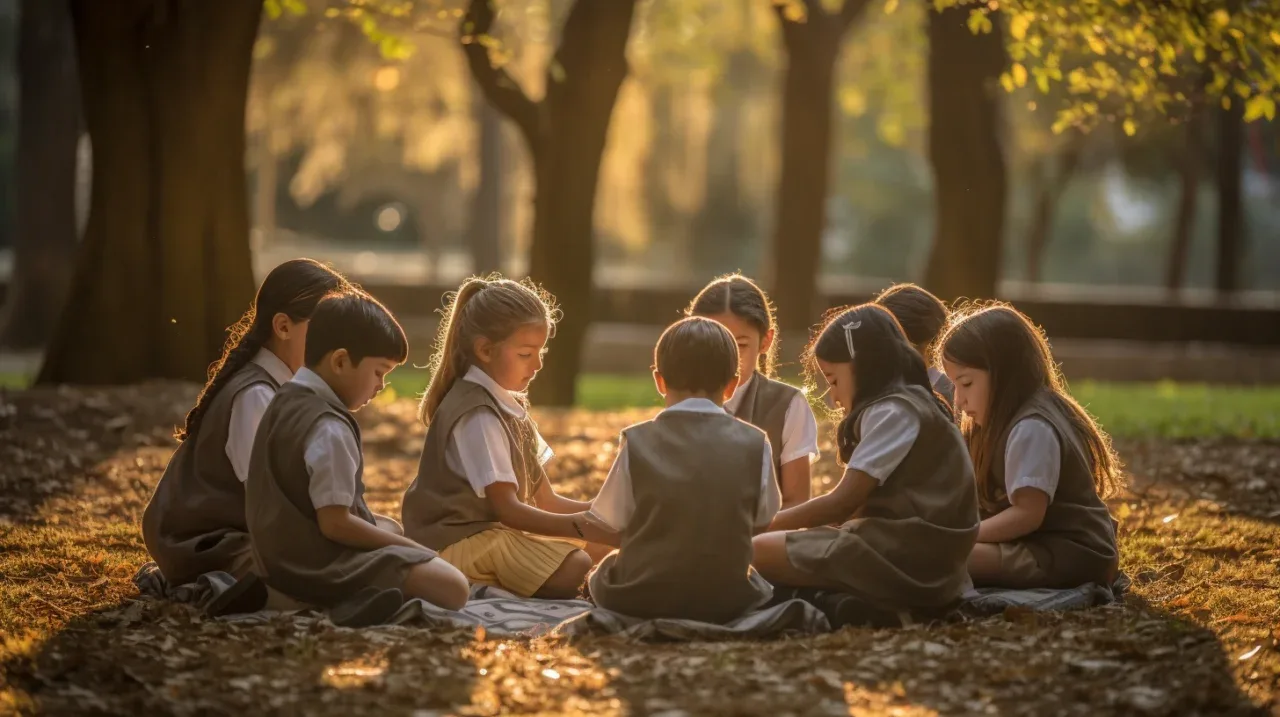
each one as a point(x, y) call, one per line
point(897, 530)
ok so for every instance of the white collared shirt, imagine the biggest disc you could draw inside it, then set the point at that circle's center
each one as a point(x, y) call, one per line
point(1032, 457)
point(888, 429)
point(616, 503)
point(247, 409)
point(799, 427)
point(478, 447)
point(332, 453)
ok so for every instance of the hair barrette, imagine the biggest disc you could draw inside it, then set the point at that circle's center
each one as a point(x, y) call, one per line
point(848, 335)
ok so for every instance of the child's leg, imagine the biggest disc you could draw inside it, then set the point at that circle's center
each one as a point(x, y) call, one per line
point(566, 582)
point(437, 582)
point(771, 561)
point(984, 563)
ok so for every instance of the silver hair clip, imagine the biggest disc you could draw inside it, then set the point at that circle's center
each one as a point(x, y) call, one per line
point(848, 336)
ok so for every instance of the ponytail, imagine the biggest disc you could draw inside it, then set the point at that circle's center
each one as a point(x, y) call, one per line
point(450, 360)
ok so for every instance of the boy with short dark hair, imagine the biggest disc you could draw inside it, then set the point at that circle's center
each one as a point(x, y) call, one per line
point(314, 537)
point(687, 491)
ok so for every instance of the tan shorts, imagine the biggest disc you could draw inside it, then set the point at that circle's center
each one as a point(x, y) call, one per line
point(1019, 568)
point(509, 559)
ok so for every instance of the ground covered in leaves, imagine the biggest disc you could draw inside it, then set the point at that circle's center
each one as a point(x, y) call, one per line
point(1197, 635)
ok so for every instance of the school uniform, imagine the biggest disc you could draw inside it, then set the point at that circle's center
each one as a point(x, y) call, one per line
point(782, 412)
point(909, 545)
point(481, 435)
point(1076, 543)
point(307, 456)
point(687, 492)
point(942, 386)
point(195, 522)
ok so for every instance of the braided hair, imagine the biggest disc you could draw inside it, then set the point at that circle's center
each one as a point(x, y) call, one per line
point(293, 289)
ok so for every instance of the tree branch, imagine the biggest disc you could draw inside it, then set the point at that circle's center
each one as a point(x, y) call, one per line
point(499, 87)
point(851, 11)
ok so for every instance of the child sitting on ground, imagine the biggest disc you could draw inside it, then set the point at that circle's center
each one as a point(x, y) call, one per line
point(687, 491)
point(1042, 464)
point(314, 537)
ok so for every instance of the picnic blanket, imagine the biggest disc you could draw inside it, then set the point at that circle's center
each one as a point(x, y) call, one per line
point(504, 614)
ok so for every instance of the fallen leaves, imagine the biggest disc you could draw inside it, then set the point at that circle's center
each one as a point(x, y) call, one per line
point(1198, 634)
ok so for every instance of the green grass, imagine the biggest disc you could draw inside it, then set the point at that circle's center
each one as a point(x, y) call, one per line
point(1165, 409)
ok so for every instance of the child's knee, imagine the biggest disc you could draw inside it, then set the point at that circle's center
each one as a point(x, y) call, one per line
point(567, 579)
point(439, 583)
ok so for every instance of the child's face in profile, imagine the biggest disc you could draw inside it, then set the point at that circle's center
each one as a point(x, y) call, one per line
point(973, 389)
point(839, 377)
point(357, 383)
point(515, 361)
point(751, 344)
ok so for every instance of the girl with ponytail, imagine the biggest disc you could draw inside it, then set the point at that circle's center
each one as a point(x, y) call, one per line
point(481, 497)
point(195, 521)
point(896, 531)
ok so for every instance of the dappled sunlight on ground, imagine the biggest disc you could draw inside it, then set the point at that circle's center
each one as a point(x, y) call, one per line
point(1197, 634)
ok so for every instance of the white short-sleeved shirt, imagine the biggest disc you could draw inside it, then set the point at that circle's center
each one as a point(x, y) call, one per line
point(478, 447)
point(799, 427)
point(332, 453)
point(888, 429)
point(247, 409)
point(1032, 457)
point(615, 505)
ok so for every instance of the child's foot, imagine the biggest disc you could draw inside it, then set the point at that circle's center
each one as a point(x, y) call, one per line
point(248, 594)
point(370, 606)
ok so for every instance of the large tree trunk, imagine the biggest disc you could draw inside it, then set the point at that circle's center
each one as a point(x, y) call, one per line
point(968, 163)
point(1230, 203)
point(1189, 189)
point(813, 46)
point(49, 131)
point(485, 231)
point(165, 264)
point(566, 134)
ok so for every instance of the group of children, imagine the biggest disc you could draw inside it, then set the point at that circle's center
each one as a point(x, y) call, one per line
point(971, 466)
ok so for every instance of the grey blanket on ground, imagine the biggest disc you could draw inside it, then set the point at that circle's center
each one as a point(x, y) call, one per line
point(504, 614)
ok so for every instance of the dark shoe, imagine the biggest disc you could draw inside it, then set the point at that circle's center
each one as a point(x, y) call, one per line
point(248, 594)
point(370, 606)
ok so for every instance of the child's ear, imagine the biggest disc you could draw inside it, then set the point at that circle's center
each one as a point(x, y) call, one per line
point(281, 326)
point(340, 360)
point(730, 387)
point(766, 342)
point(659, 383)
point(483, 349)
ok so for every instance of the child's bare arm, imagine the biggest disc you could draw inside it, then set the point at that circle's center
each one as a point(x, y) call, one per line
point(521, 516)
point(1022, 518)
point(795, 482)
point(339, 525)
point(844, 500)
point(549, 500)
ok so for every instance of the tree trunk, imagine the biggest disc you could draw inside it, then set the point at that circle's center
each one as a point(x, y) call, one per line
point(725, 222)
point(813, 46)
point(1230, 203)
point(1189, 189)
point(165, 265)
point(49, 134)
point(566, 134)
point(485, 231)
point(968, 163)
point(1054, 182)
point(267, 188)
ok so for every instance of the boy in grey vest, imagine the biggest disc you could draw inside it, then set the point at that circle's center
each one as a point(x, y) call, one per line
point(314, 537)
point(687, 492)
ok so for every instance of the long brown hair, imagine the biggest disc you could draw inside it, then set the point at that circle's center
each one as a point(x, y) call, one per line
point(293, 289)
point(997, 338)
point(736, 294)
point(884, 358)
point(492, 307)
